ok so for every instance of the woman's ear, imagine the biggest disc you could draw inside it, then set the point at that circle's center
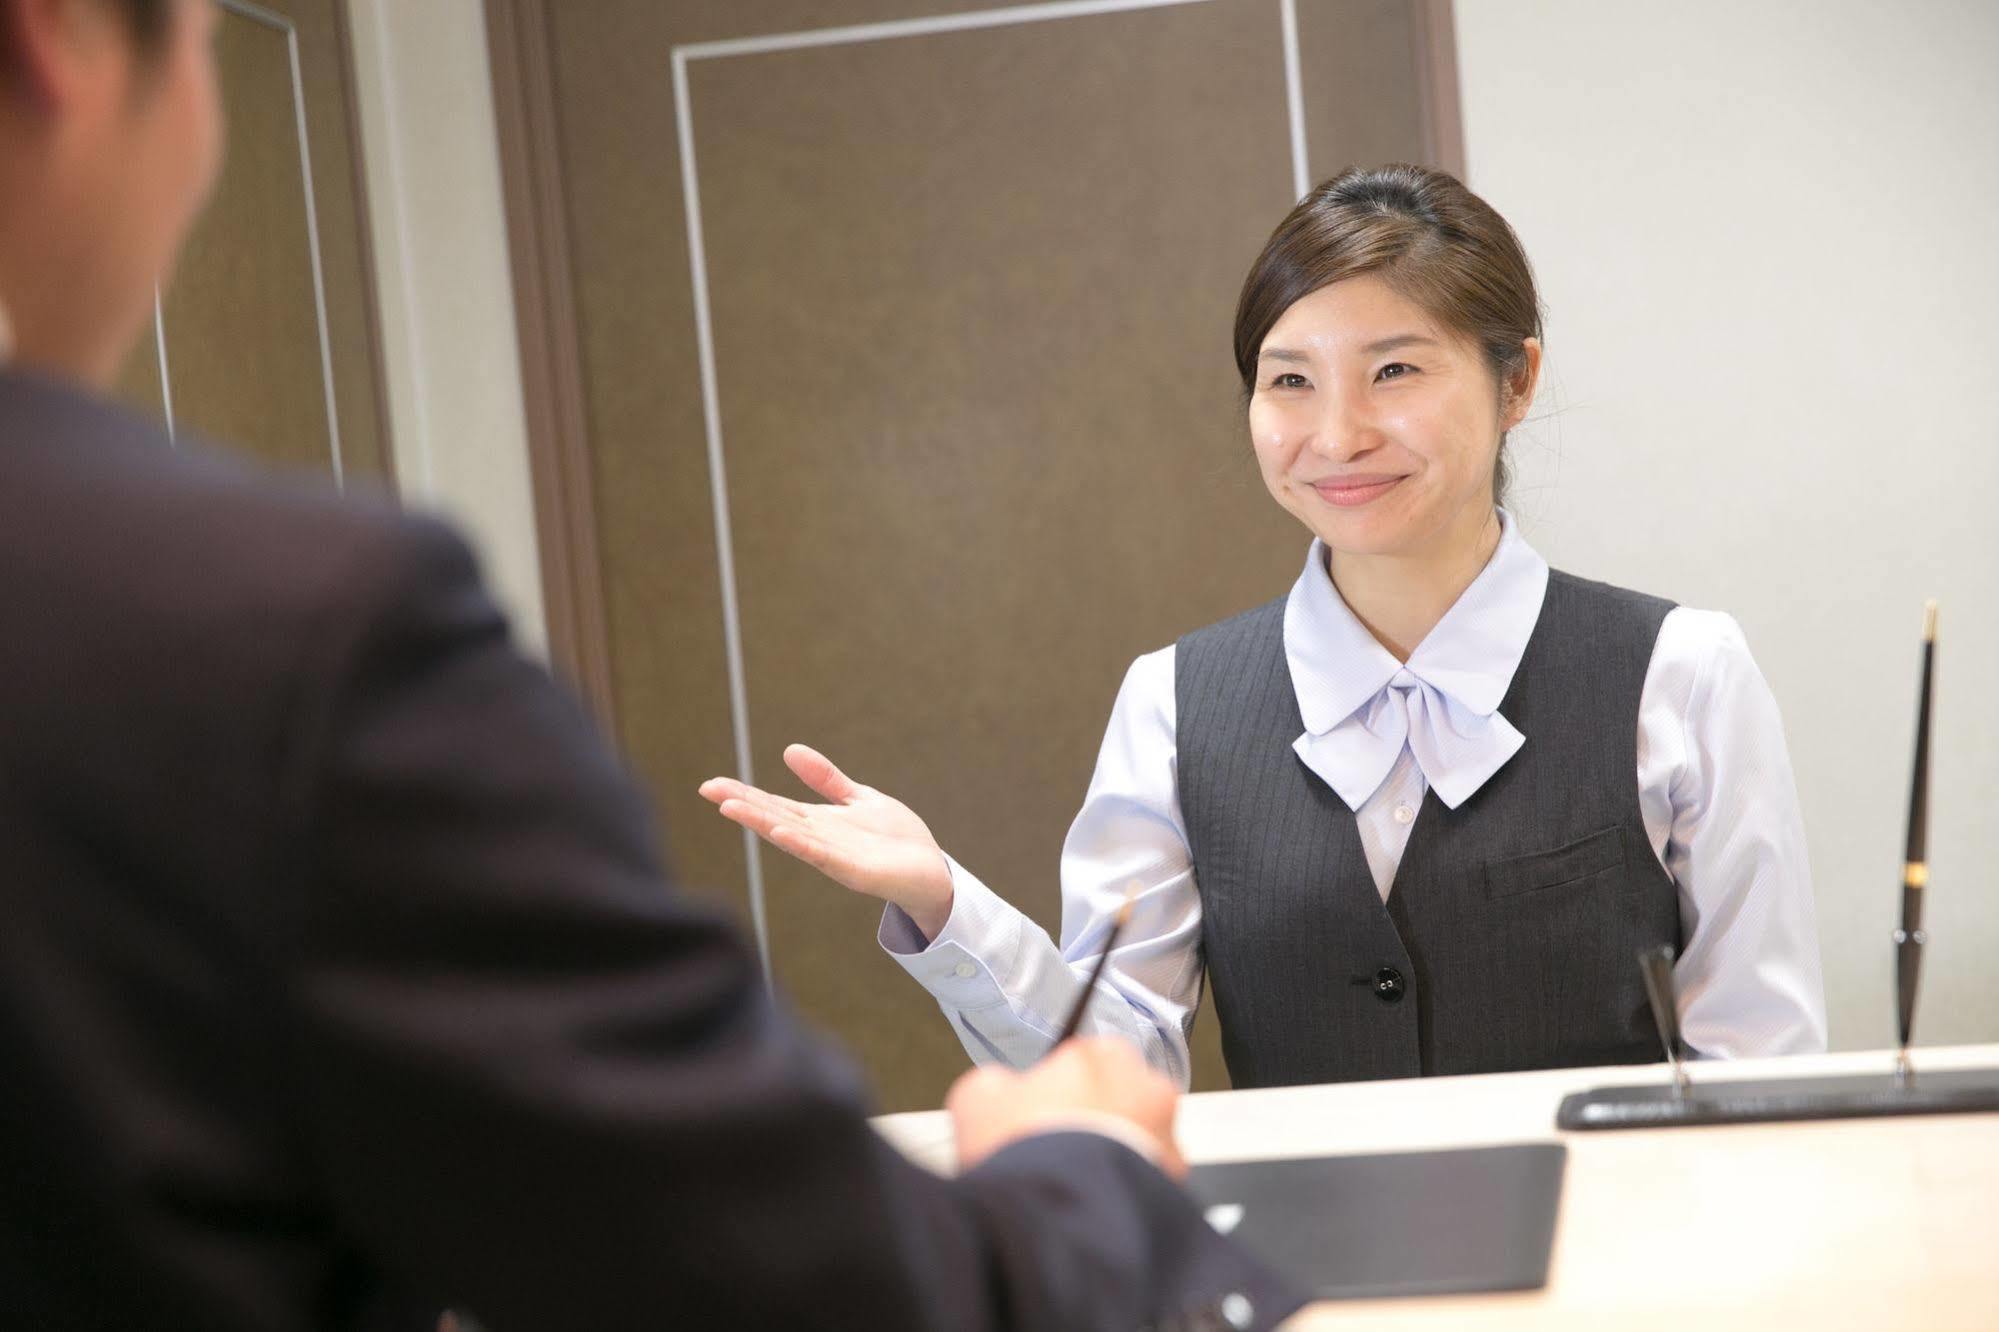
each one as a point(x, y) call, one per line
point(1519, 395)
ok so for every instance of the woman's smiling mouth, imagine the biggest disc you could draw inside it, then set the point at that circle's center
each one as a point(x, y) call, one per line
point(1349, 491)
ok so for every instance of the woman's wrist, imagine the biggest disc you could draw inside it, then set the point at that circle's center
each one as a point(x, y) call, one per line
point(931, 911)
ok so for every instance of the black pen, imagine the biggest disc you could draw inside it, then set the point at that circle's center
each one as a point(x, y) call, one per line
point(1118, 923)
point(1909, 938)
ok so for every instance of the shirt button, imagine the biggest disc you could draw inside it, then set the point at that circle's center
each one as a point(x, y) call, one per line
point(1238, 1310)
point(1404, 814)
point(964, 971)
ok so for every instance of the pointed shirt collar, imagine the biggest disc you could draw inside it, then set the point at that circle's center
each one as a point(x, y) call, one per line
point(1361, 706)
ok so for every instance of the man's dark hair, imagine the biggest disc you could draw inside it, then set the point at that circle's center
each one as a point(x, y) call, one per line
point(148, 21)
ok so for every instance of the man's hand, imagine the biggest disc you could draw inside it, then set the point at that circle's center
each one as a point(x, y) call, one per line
point(1098, 1078)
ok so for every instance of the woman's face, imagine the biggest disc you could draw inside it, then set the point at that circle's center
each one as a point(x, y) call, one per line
point(1374, 426)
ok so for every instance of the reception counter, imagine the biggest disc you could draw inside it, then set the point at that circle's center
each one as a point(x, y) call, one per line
point(1876, 1223)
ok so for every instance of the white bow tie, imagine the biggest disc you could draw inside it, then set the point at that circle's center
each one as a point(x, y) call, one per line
point(1456, 748)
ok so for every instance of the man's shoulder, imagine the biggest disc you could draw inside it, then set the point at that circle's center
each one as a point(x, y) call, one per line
point(108, 495)
point(180, 544)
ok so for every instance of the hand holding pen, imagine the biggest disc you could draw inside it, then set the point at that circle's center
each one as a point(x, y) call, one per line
point(1095, 1083)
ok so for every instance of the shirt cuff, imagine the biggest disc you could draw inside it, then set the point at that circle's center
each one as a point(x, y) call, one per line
point(957, 967)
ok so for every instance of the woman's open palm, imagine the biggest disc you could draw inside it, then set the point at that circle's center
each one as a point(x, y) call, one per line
point(861, 838)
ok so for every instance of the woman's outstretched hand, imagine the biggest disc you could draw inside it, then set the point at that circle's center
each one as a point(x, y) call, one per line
point(867, 841)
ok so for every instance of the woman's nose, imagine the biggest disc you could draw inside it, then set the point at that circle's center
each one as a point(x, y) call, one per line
point(1344, 428)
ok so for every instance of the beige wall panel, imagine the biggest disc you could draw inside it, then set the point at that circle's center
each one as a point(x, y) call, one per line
point(635, 319)
point(242, 331)
point(1359, 60)
point(242, 325)
point(972, 297)
point(139, 381)
point(344, 253)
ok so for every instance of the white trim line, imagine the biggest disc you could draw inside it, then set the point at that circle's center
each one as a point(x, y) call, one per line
point(1294, 99)
point(408, 379)
point(718, 487)
point(245, 9)
point(272, 19)
point(318, 267)
point(166, 384)
point(915, 27)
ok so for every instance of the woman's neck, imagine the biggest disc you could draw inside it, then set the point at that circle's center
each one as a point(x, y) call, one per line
point(1400, 598)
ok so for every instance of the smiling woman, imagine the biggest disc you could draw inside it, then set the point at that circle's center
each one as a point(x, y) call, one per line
point(1419, 814)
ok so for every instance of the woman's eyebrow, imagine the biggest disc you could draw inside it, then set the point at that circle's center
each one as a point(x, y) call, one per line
point(1398, 341)
point(1375, 348)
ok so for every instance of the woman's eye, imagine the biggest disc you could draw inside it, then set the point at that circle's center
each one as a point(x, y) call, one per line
point(1394, 370)
point(1288, 380)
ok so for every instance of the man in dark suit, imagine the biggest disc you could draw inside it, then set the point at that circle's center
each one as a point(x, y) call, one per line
point(339, 977)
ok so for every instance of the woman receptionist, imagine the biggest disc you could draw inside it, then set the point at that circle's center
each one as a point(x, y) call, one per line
point(1418, 814)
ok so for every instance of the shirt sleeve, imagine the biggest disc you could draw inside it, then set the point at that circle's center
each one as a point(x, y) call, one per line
point(1006, 986)
point(1721, 809)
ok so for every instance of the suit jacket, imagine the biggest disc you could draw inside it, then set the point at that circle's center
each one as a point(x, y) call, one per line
point(340, 978)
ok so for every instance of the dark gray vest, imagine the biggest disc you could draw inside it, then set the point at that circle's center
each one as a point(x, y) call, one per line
point(1510, 938)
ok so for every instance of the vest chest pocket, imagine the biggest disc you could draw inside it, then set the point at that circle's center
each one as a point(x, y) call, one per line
point(1563, 867)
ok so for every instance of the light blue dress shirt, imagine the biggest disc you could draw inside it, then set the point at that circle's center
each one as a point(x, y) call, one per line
point(1715, 791)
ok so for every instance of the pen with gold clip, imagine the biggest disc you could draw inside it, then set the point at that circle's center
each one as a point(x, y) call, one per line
point(1082, 1006)
point(1909, 938)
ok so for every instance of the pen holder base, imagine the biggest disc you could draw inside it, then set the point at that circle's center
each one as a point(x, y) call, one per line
point(1954, 1091)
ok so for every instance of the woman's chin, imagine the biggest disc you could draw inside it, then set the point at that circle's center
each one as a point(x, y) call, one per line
point(1358, 532)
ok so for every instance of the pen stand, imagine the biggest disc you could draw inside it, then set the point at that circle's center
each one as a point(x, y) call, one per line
point(1900, 1090)
point(1850, 1096)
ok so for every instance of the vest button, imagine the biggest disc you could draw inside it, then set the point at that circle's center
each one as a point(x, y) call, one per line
point(1388, 985)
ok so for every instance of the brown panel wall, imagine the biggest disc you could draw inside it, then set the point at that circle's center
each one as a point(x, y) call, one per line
point(1359, 61)
point(972, 296)
point(241, 318)
point(240, 312)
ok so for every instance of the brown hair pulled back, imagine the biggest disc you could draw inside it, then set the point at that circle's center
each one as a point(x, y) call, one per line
point(1427, 236)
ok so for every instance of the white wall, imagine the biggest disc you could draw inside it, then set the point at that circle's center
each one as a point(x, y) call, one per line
point(1768, 240)
point(445, 287)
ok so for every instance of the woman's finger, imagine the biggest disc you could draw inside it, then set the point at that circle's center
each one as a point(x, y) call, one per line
point(719, 789)
point(817, 771)
point(795, 841)
point(757, 818)
point(778, 804)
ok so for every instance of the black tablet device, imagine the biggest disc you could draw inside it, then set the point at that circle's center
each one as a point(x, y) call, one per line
point(1402, 1223)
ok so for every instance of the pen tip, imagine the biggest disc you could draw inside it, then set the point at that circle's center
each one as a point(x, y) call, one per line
point(1930, 620)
